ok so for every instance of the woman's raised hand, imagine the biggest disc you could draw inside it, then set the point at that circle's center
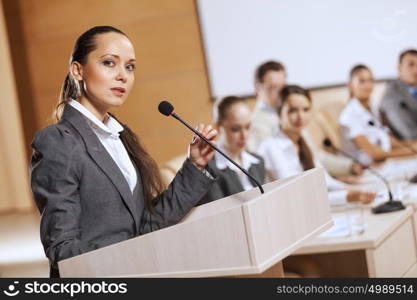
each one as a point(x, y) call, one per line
point(200, 153)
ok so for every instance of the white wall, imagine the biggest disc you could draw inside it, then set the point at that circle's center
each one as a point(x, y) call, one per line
point(317, 40)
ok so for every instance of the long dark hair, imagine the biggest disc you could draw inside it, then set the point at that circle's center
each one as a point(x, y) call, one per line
point(148, 168)
point(151, 178)
point(304, 154)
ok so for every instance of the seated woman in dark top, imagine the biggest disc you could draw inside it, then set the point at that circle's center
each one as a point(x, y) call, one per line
point(233, 123)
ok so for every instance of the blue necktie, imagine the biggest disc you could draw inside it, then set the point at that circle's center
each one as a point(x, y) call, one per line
point(413, 92)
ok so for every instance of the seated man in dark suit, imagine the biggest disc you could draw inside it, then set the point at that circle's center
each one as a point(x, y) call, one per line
point(399, 102)
point(233, 122)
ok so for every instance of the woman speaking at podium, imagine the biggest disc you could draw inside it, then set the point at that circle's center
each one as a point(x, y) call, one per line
point(91, 178)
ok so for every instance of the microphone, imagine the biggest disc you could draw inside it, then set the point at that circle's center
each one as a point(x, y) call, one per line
point(403, 105)
point(372, 123)
point(167, 109)
point(389, 206)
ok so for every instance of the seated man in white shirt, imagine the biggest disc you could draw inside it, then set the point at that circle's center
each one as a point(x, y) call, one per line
point(286, 153)
point(362, 133)
point(270, 78)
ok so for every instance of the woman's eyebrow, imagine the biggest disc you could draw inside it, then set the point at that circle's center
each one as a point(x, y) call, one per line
point(116, 56)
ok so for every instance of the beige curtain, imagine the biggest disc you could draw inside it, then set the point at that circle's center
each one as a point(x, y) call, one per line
point(14, 182)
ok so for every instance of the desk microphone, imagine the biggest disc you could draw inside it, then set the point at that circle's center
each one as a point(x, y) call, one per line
point(167, 109)
point(371, 123)
point(389, 206)
point(403, 105)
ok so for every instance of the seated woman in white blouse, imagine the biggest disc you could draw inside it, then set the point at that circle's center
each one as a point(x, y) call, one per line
point(286, 153)
point(362, 133)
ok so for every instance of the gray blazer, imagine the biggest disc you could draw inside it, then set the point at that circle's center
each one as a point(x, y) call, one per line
point(227, 181)
point(399, 110)
point(84, 199)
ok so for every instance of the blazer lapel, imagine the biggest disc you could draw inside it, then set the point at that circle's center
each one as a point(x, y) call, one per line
point(234, 183)
point(406, 95)
point(256, 172)
point(101, 157)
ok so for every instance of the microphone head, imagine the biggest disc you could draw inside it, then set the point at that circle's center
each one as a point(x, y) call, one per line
point(371, 123)
point(165, 108)
point(327, 142)
point(403, 105)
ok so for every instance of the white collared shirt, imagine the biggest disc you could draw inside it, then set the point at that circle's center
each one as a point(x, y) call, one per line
point(282, 160)
point(265, 122)
point(261, 105)
point(247, 160)
point(108, 134)
point(355, 121)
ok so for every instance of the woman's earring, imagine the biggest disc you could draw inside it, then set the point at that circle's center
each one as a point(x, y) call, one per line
point(78, 88)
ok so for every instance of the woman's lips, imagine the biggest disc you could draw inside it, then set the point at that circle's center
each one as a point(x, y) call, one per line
point(119, 92)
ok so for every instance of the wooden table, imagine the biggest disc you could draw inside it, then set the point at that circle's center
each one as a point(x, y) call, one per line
point(387, 248)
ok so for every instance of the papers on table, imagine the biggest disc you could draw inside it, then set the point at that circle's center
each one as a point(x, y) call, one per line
point(348, 223)
point(341, 227)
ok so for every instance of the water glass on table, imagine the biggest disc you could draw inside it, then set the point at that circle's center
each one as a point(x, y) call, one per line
point(356, 218)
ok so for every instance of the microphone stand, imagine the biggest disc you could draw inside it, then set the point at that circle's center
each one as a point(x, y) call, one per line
point(173, 114)
point(389, 206)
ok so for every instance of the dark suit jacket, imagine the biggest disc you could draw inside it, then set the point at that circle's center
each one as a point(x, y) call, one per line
point(401, 118)
point(227, 181)
point(84, 199)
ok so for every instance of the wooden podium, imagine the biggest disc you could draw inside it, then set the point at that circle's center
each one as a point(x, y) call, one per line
point(248, 233)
